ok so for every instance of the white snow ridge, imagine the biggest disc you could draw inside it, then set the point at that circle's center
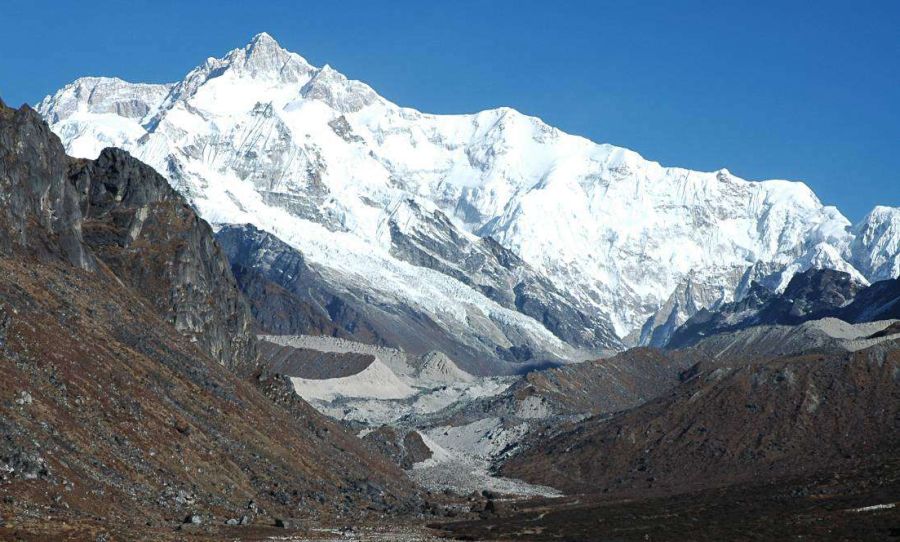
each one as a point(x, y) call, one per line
point(261, 136)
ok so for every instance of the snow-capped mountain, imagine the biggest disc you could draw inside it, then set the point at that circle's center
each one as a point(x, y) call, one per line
point(261, 136)
point(876, 244)
point(121, 105)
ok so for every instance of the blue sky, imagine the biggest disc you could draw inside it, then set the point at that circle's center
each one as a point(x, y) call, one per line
point(799, 90)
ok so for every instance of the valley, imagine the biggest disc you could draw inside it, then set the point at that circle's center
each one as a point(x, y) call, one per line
point(264, 302)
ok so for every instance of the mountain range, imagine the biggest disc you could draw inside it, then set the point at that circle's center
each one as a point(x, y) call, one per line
point(510, 241)
point(264, 302)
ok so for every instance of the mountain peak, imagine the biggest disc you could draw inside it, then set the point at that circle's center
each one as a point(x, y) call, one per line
point(328, 71)
point(264, 38)
point(264, 45)
point(264, 57)
point(876, 245)
point(883, 211)
point(103, 95)
point(541, 194)
point(332, 87)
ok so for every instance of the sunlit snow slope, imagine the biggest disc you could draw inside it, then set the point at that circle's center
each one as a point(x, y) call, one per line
point(399, 203)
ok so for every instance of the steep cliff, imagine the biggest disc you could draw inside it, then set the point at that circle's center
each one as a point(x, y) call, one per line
point(121, 330)
point(155, 243)
point(119, 212)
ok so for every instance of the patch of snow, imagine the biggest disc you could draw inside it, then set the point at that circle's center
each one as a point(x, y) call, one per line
point(874, 507)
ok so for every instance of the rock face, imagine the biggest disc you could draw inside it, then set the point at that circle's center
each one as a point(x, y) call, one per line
point(810, 295)
point(287, 294)
point(41, 209)
point(354, 182)
point(125, 410)
point(155, 243)
point(118, 211)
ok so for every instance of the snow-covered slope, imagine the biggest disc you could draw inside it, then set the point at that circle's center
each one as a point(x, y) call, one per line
point(96, 112)
point(876, 246)
point(326, 164)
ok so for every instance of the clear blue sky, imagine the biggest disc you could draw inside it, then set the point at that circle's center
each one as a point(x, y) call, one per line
point(800, 90)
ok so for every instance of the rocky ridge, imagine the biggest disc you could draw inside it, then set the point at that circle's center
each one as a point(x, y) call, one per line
point(811, 295)
point(121, 417)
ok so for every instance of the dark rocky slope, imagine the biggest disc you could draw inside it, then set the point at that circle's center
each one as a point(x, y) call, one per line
point(611, 384)
point(156, 244)
point(286, 294)
point(850, 504)
point(810, 295)
point(768, 433)
point(880, 301)
point(114, 421)
point(306, 363)
point(546, 398)
point(118, 211)
point(771, 449)
point(109, 413)
point(732, 422)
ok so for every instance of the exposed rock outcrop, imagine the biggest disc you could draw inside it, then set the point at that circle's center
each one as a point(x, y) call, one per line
point(404, 449)
point(287, 295)
point(41, 209)
point(810, 295)
point(155, 243)
point(122, 412)
point(119, 212)
point(430, 239)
